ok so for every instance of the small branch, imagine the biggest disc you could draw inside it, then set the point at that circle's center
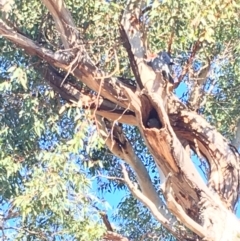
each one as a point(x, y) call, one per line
point(132, 60)
point(79, 97)
point(197, 81)
point(31, 47)
point(111, 177)
point(236, 140)
point(112, 89)
point(111, 236)
point(105, 219)
point(63, 21)
point(186, 68)
point(132, 36)
point(146, 9)
point(143, 199)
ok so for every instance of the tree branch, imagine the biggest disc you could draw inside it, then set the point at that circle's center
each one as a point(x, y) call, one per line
point(236, 140)
point(119, 145)
point(147, 202)
point(130, 26)
point(109, 88)
point(178, 211)
point(64, 22)
point(112, 236)
point(224, 177)
point(163, 143)
point(197, 82)
point(77, 96)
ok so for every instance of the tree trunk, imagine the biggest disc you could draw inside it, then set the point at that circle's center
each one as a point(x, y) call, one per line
point(167, 126)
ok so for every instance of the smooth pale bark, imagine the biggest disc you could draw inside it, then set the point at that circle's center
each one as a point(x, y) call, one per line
point(205, 209)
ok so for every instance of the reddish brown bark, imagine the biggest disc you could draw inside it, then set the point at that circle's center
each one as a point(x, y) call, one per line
point(206, 209)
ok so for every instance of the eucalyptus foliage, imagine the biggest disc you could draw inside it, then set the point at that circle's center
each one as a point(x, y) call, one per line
point(50, 151)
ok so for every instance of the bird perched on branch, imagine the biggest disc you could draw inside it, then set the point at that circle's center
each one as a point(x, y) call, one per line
point(161, 62)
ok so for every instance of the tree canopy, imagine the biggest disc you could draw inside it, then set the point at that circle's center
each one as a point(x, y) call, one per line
point(83, 115)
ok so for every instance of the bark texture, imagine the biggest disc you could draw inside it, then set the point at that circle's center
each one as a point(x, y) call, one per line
point(207, 209)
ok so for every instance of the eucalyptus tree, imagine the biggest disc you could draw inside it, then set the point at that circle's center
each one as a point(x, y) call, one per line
point(77, 71)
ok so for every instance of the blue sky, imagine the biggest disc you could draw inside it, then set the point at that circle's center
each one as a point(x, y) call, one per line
point(113, 199)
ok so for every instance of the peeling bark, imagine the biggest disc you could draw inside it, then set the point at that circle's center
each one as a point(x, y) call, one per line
point(205, 208)
point(114, 237)
point(119, 145)
point(197, 82)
